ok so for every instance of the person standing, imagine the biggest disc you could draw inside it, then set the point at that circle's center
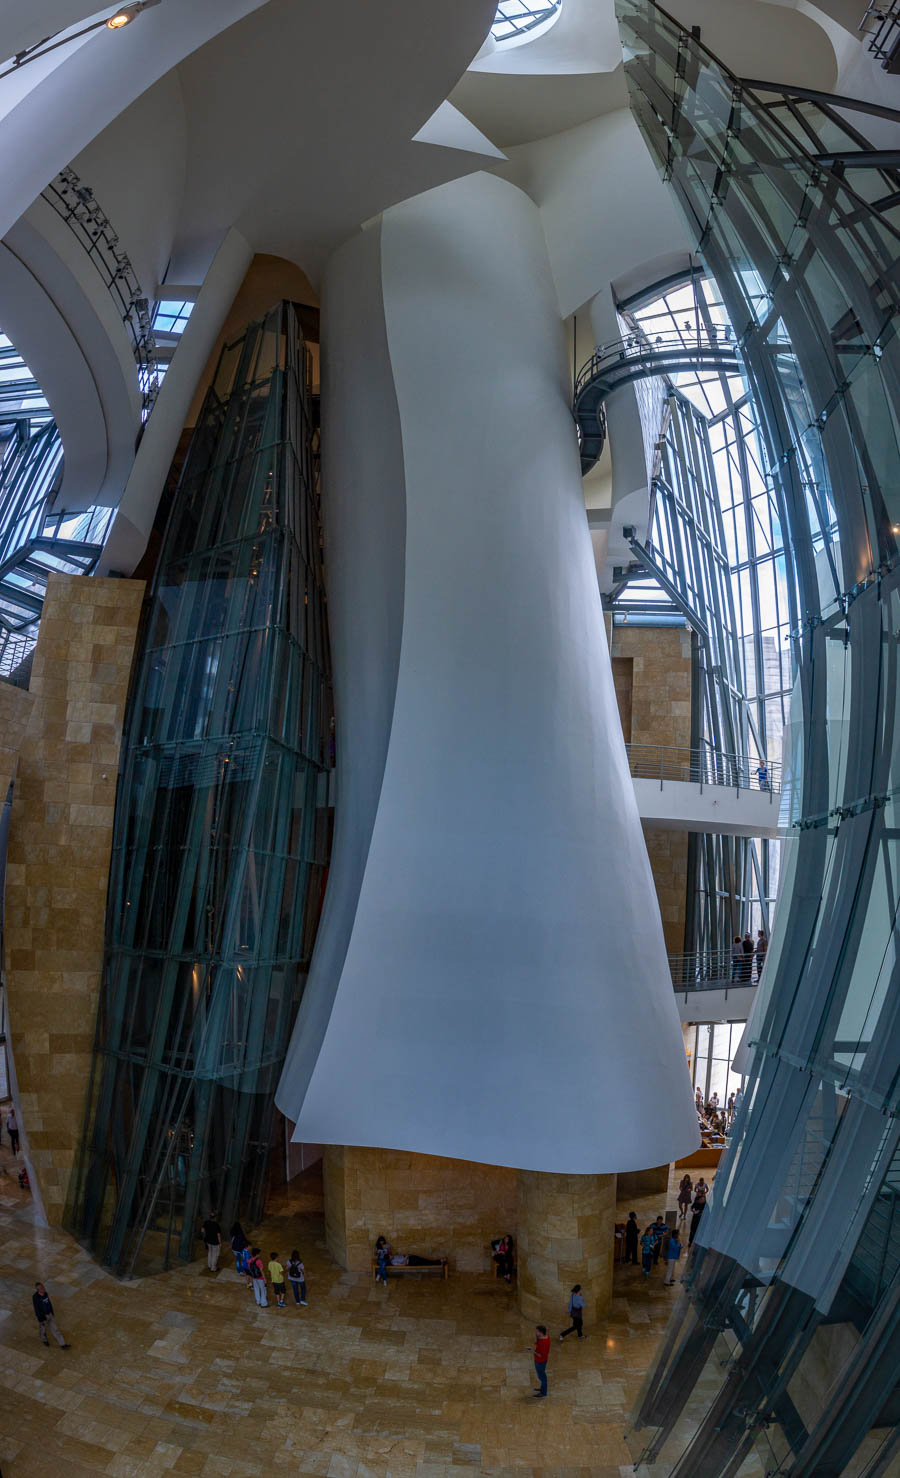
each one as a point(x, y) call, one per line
point(747, 961)
point(685, 1191)
point(238, 1243)
point(43, 1312)
point(729, 1109)
point(382, 1260)
point(258, 1275)
point(762, 944)
point(762, 775)
point(276, 1278)
point(659, 1230)
point(673, 1253)
point(631, 1238)
point(737, 957)
point(698, 1208)
point(12, 1129)
point(297, 1275)
point(541, 1354)
point(211, 1233)
point(648, 1243)
point(576, 1314)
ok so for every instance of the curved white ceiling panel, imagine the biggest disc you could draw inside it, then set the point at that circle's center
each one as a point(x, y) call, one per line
point(63, 111)
point(302, 120)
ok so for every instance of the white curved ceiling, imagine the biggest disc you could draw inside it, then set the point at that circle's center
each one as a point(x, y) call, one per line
point(301, 120)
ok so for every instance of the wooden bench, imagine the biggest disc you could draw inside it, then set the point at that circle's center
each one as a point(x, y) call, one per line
point(416, 1267)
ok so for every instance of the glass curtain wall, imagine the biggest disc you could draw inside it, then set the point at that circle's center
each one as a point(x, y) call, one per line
point(222, 831)
point(783, 1351)
point(717, 543)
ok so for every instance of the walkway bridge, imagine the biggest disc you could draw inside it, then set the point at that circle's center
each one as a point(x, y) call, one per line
point(638, 357)
point(711, 986)
point(705, 790)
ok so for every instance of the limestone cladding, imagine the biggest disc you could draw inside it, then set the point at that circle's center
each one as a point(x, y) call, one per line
point(427, 1204)
point(58, 862)
point(566, 1234)
point(655, 708)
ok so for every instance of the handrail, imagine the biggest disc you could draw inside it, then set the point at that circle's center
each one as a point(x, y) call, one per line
point(703, 767)
point(691, 345)
point(714, 969)
point(74, 202)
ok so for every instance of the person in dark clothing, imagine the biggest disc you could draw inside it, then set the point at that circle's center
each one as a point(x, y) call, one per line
point(747, 961)
point(631, 1238)
point(43, 1312)
point(12, 1129)
point(238, 1243)
point(660, 1232)
point(212, 1236)
point(698, 1207)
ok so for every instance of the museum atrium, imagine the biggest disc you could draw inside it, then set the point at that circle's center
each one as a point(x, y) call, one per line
point(449, 660)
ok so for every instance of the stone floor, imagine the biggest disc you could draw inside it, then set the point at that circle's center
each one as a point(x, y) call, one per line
point(182, 1374)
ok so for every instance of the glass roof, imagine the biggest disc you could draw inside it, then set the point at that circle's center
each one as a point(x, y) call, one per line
point(515, 17)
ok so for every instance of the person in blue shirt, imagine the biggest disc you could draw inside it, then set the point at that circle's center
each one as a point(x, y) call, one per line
point(673, 1253)
point(576, 1314)
point(648, 1243)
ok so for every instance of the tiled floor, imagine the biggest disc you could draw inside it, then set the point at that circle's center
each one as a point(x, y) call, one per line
point(182, 1374)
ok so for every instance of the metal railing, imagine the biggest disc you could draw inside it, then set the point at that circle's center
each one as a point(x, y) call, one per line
point(714, 969)
point(661, 353)
point(702, 767)
point(75, 203)
point(881, 28)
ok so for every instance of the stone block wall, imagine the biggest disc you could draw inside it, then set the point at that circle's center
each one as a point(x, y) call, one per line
point(427, 1204)
point(652, 673)
point(566, 1232)
point(58, 862)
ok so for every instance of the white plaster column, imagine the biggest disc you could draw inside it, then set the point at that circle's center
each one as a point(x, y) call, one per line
point(490, 979)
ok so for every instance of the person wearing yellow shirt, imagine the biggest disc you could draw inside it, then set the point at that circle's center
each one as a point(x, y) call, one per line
point(276, 1274)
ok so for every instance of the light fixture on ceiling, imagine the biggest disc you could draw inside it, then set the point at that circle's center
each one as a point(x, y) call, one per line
point(127, 13)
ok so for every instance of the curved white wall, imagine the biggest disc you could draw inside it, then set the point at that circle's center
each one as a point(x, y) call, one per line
point(504, 984)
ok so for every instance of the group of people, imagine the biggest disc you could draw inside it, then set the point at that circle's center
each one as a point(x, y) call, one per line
point(743, 953)
point(386, 1257)
point(713, 1117)
point(541, 1349)
point(249, 1264)
point(692, 1198)
point(655, 1242)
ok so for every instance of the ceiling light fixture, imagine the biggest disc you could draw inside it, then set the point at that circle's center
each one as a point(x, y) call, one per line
point(126, 13)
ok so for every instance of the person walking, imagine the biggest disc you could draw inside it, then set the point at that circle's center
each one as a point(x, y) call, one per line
point(648, 1242)
point(12, 1129)
point(43, 1312)
point(276, 1278)
point(238, 1243)
point(673, 1253)
point(698, 1208)
point(258, 1275)
point(297, 1275)
point(212, 1236)
point(631, 1238)
point(685, 1192)
point(541, 1353)
point(576, 1314)
point(762, 944)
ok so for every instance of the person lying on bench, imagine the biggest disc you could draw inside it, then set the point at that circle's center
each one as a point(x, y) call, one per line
point(412, 1260)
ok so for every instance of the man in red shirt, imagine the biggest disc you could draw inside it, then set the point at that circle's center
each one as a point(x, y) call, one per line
point(541, 1356)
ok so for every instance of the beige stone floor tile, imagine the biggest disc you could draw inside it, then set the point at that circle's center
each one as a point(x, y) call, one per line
point(182, 1375)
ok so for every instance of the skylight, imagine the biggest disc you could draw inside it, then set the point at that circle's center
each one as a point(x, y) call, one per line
point(515, 17)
